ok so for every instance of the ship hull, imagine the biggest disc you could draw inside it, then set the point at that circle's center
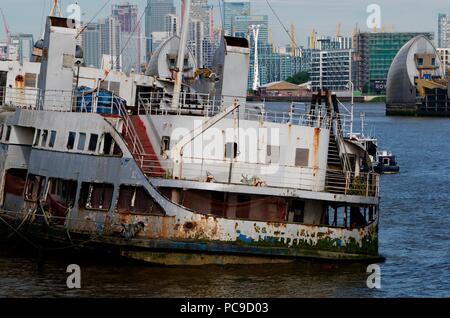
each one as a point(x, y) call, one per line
point(172, 251)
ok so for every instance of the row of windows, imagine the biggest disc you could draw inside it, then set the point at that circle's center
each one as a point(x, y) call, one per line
point(41, 138)
point(93, 196)
point(109, 147)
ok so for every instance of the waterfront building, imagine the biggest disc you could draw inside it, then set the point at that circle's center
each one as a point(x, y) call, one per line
point(374, 53)
point(444, 55)
point(275, 64)
point(444, 30)
point(232, 8)
point(332, 43)
point(331, 69)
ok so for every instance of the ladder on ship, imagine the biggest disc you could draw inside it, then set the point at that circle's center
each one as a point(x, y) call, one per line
point(136, 137)
point(338, 162)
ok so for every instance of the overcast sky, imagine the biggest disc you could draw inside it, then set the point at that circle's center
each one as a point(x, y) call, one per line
point(27, 16)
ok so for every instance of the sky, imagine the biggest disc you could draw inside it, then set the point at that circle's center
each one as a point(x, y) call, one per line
point(27, 16)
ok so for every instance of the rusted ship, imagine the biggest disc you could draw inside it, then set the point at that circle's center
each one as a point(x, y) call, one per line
point(155, 168)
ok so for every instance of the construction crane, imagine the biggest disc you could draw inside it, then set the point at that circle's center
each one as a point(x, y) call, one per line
point(292, 40)
point(7, 32)
point(5, 25)
point(313, 39)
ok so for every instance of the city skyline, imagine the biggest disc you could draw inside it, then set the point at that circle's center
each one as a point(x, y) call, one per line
point(348, 14)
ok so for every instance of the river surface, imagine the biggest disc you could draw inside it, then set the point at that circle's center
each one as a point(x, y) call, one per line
point(414, 238)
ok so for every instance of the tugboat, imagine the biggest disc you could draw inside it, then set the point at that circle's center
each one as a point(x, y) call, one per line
point(169, 175)
point(386, 163)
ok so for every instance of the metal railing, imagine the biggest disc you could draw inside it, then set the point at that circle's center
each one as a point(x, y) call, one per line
point(159, 103)
point(88, 101)
point(235, 172)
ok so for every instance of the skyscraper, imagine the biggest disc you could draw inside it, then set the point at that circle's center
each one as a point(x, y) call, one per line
point(127, 14)
point(91, 45)
point(203, 12)
point(172, 24)
point(443, 30)
point(200, 10)
point(155, 14)
point(242, 23)
point(232, 8)
point(110, 39)
point(130, 33)
point(195, 40)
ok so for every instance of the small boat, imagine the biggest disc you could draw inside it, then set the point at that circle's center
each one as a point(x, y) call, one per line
point(386, 163)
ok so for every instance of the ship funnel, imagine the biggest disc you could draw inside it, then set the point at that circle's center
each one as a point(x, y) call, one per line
point(231, 64)
point(57, 62)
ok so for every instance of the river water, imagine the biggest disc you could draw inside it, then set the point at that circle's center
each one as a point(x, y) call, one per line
point(414, 238)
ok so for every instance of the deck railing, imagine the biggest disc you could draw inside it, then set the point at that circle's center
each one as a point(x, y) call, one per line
point(90, 101)
point(235, 172)
point(159, 103)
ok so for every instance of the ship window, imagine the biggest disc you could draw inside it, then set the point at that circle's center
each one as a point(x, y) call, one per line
point(51, 144)
point(137, 200)
point(71, 140)
point(96, 195)
point(30, 80)
point(81, 141)
point(61, 194)
point(37, 137)
point(243, 206)
point(107, 143)
point(165, 143)
point(296, 211)
point(420, 61)
point(8, 133)
point(301, 157)
point(93, 142)
point(33, 188)
point(44, 137)
point(231, 150)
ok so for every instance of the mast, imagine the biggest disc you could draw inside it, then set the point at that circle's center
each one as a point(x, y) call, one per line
point(181, 53)
point(56, 10)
